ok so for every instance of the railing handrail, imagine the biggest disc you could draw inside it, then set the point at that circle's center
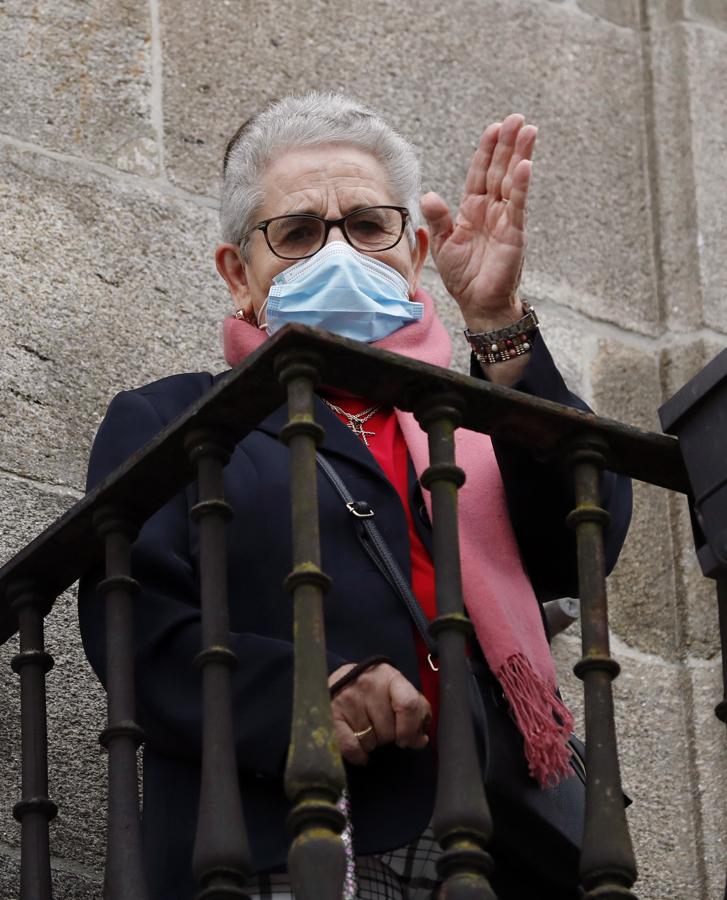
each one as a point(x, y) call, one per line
point(244, 396)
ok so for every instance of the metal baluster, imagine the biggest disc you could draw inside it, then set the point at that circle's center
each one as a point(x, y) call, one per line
point(35, 810)
point(462, 823)
point(721, 708)
point(314, 776)
point(124, 877)
point(607, 866)
point(221, 860)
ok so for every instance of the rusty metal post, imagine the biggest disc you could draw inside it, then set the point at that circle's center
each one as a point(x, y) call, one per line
point(221, 858)
point(124, 876)
point(607, 866)
point(314, 776)
point(721, 708)
point(462, 823)
point(34, 811)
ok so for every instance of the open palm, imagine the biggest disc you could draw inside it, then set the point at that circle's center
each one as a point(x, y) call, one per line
point(479, 254)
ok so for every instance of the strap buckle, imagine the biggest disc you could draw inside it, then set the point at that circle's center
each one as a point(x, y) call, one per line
point(431, 663)
point(360, 509)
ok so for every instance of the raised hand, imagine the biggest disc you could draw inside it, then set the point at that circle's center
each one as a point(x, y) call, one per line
point(480, 254)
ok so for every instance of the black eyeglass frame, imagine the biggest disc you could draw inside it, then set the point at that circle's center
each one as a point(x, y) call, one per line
point(327, 225)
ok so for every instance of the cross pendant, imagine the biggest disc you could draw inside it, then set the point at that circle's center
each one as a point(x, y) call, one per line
point(358, 429)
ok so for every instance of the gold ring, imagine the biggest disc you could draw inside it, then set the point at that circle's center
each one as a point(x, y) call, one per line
point(360, 734)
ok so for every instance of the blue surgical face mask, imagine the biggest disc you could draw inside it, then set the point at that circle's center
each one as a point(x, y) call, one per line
point(343, 291)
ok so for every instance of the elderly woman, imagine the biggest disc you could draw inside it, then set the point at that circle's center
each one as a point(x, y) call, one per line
point(322, 224)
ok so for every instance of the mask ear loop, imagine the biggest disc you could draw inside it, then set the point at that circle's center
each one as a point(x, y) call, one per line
point(263, 326)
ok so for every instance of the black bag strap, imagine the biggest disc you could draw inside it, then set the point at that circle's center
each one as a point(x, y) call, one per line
point(377, 548)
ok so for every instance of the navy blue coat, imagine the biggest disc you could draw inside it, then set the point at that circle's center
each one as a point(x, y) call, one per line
point(392, 796)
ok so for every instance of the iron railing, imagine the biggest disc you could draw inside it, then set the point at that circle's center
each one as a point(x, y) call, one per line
point(197, 445)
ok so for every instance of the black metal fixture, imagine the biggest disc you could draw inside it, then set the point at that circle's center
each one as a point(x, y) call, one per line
point(697, 415)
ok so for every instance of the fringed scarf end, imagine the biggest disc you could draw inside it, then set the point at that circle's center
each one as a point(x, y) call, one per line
point(544, 721)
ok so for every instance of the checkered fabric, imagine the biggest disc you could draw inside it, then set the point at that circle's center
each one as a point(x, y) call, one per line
point(408, 873)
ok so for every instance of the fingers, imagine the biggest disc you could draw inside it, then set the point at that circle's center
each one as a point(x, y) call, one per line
point(522, 150)
point(352, 724)
point(477, 173)
point(517, 207)
point(352, 750)
point(380, 707)
point(515, 142)
point(412, 712)
point(438, 218)
point(503, 148)
point(502, 154)
point(363, 716)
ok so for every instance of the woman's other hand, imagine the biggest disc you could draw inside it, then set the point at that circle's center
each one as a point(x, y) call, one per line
point(382, 707)
point(479, 255)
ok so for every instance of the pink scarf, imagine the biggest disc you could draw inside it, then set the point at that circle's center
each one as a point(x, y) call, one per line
point(497, 592)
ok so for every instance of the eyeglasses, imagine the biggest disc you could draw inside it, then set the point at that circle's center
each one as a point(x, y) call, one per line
point(300, 236)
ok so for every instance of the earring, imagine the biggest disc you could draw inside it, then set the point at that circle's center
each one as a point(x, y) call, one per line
point(247, 314)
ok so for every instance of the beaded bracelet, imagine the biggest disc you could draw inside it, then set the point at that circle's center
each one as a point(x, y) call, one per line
point(506, 343)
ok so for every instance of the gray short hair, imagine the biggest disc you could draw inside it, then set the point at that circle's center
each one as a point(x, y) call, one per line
point(304, 121)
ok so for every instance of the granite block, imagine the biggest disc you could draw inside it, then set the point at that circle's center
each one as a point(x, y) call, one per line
point(440, 74)
point(626, 386)
point(712, 11)
point(654, 752)
point(68, 884)
point(674, 178)
point(620, 12)
point(710, 752)
point(707, 51)
point(105, 286)
point(81, 75)
point(663, 12)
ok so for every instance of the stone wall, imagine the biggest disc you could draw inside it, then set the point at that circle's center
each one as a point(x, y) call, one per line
point(113, 121)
